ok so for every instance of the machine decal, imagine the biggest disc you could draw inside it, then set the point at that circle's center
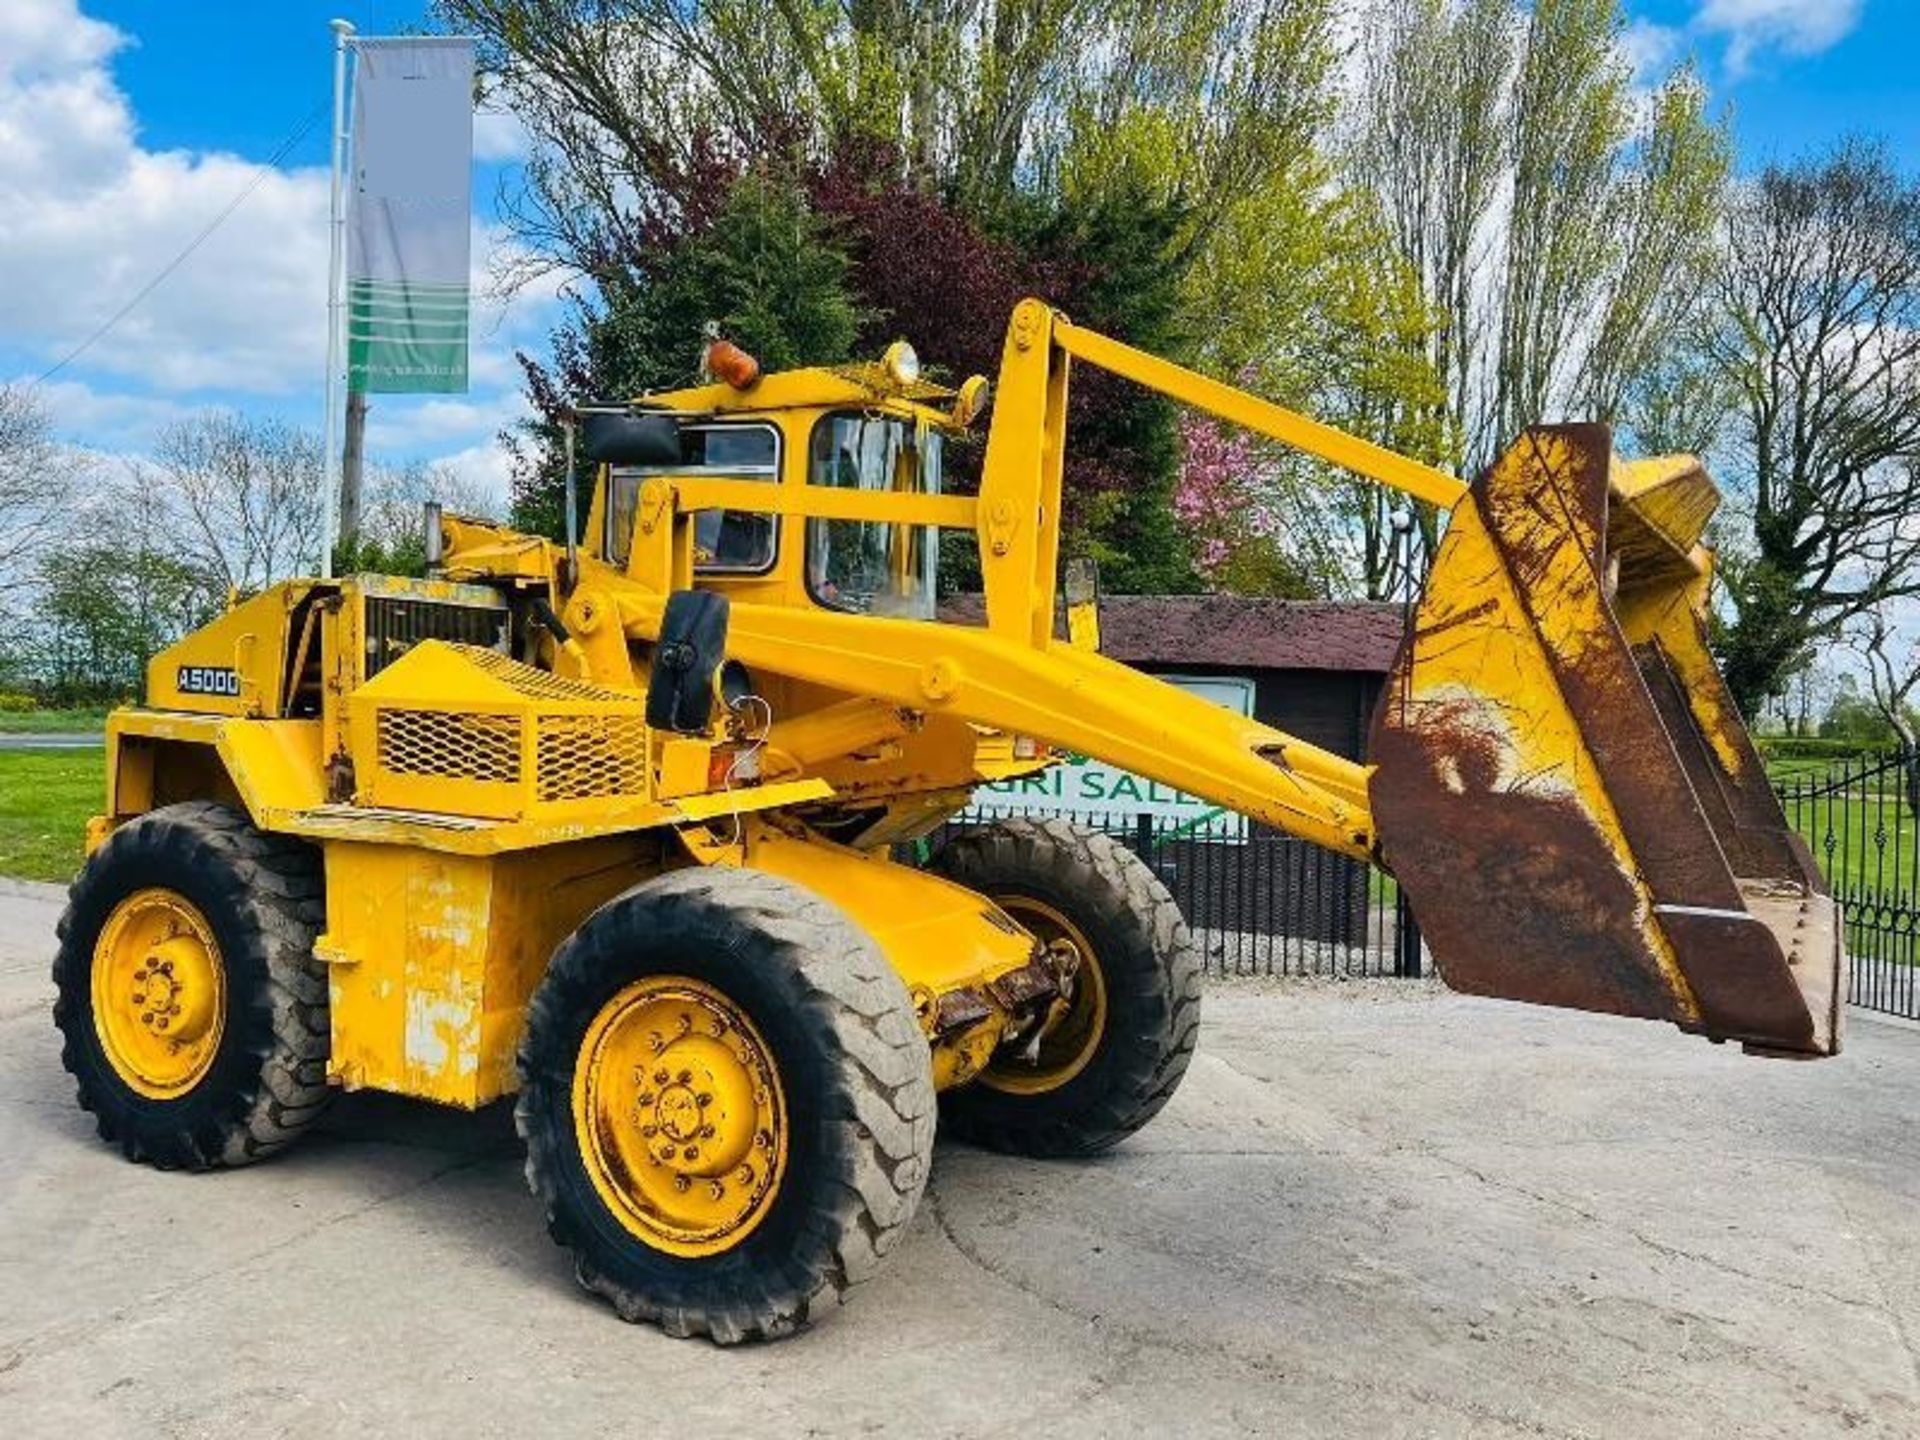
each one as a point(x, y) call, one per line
point(208, 680)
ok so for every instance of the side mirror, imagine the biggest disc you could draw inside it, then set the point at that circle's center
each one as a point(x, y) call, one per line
point(619, 438)
point(692, 647)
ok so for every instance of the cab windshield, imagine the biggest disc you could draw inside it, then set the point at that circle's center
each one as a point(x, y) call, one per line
point(866, 566)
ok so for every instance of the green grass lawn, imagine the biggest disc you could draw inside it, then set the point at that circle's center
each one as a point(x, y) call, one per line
point(1875, 842)
point(45, 799)
point(51, 722)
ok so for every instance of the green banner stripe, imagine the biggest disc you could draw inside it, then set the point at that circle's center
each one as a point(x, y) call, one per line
point(434, 329)
point(431, 312)
point(457, 345)
point(424, 287)
point(405, 307)
point(440, 354)
point(413, 298)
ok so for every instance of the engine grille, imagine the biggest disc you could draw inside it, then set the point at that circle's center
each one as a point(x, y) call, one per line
point(396, 623)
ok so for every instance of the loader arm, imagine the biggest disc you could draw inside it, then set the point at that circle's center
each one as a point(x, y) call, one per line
point(1559, 781)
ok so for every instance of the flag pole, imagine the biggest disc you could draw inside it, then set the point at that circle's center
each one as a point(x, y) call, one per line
point(336, 266)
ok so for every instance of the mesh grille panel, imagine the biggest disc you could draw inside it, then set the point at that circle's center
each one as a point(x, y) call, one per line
point(455, 746)
point(584, 757)
point(536, 684)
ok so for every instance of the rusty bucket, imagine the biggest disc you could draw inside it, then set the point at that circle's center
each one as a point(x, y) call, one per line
point(1562, 783)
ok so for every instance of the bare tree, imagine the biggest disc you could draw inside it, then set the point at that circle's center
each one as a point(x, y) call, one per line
point(248, 492)
point(392, 535)
point(1820, 340)
point(1893, 677)
point(36, 480)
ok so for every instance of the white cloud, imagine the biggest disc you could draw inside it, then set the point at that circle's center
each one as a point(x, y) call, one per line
point(498, 134)
point(88, 216)
point(1795, 27)
point(108, 420)
point(483, 468)
point(1651, 50)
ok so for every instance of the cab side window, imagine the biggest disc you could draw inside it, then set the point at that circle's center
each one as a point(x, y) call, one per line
point(725, 542)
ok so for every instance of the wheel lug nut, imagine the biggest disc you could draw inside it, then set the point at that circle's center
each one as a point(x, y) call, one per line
point(646, 1097)
point(667, 1152)
point(660, 1076)
point(746, 1175)
point(685, 1076)
point(693, 1152)
point(716, 1190)
point(139, 997)
point(161, 1023)
point(703, 1099)
point(706, 1132)
point(147, 1018)
point(763, 1140)
point(681, 1183)
point(649, 1131)
point(166, 967)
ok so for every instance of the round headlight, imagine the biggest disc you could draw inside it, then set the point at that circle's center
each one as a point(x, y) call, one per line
point(971, 400)
point(902, 363)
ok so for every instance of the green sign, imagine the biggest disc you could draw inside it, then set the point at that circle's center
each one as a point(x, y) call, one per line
point(406, 338)
point(1088, 789)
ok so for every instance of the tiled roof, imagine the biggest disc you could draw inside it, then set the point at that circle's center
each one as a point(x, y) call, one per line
point(1237, 630)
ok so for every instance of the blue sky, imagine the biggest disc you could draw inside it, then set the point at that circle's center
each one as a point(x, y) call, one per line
point(126, 124)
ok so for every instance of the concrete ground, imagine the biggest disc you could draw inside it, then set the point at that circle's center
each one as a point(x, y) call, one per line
point(1373, 1210)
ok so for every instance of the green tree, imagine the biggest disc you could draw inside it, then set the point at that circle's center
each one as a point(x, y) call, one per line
point(765, 271)
point(102, 607)
point(1123, 452)
point(1529, 195)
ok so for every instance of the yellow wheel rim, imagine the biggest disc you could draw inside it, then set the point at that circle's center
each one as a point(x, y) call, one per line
point(680, 1115)
point(1070, 1036)
point(159, 993)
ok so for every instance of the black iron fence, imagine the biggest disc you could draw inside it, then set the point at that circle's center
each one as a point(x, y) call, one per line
point(1263, 903)
point(1858, 815)
point(1259, 902)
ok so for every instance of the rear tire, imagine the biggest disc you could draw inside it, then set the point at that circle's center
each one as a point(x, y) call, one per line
point(1116, 1058)
point(247, 906)
point(694, 1005)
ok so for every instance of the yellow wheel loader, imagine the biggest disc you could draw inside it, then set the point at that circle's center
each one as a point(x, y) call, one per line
point(608, 824)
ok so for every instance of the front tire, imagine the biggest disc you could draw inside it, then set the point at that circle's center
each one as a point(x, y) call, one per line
point(1114, 1056)
point(193, 1013)
point(727, 1104)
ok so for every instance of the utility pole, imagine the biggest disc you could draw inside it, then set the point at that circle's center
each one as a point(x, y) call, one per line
point(352, 467)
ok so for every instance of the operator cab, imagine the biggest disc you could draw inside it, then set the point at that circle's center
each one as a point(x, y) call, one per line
point(857, 427)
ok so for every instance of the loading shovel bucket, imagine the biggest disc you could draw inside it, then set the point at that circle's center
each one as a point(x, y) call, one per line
point(1562, 783)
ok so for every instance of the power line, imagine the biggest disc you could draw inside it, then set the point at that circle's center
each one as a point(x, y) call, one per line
point(270, 167)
